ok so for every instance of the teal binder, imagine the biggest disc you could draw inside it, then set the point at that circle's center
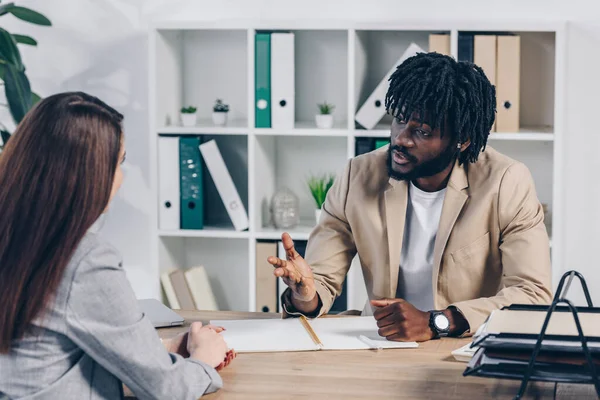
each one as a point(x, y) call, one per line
point(262, 80)
point(190, 176)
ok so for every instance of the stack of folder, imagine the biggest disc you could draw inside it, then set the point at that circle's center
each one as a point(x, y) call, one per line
point(540, 343)
point(182, 161)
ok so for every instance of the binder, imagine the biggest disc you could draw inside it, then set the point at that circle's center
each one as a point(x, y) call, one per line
point(168, 183)
point(508, 83)
point(439, 43)
point(266, 282)
point(371, 112)
point(484, 55)
point(262, 78)
point(190, 173)
point(465, 46)
point(229, 194)
point(200, 289)
point(282, 81)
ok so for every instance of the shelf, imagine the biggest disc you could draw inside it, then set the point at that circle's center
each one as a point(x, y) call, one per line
point(542, 134)
point(305, 128)
point(301, 232)
point(234, 127)
point(212, 232)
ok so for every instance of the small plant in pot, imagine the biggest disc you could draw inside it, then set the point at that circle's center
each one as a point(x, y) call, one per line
point(319, 186)
point(220, 111)
point(188, 116)
point(325, 118)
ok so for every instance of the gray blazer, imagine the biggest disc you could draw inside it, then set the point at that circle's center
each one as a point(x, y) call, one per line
point(93, 338)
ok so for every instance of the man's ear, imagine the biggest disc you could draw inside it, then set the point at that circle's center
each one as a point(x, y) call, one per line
point(465, 145)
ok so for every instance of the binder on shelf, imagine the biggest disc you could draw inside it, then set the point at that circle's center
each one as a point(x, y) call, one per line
point(439, 43)
point(229, 195)
point(266, 282)
point(340, 303)
point(365, 145)
point(484, 55)
point(168, 183)
point(200, 289)
point(556, 351)
point(190, 172)
point(262, 80)
point(508, 81)
point(465, 46)
point(282, 81)
point(371, 112)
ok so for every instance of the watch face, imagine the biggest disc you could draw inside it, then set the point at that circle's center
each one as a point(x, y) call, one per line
point(441, 322)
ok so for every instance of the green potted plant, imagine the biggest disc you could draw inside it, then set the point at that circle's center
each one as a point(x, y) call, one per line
point(319, 186)
point(19, 97)
point(188, 116)
point(220, 111)
point(324, 119)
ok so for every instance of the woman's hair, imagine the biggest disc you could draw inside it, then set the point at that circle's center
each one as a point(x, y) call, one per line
point(56, 177)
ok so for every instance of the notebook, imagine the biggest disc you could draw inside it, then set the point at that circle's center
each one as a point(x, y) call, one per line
point(301, 334)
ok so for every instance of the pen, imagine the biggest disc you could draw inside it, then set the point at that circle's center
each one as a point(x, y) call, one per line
point(370, 343)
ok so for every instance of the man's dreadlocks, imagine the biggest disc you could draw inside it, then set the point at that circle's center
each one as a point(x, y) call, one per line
point(447, 94)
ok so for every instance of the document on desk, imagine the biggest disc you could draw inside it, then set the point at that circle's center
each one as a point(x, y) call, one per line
point(300, 334)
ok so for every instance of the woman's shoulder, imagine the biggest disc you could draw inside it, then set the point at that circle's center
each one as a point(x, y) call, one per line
point(93, 252)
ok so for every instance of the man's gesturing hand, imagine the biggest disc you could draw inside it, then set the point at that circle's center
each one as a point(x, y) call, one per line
point(297, 274)
point(398, 320)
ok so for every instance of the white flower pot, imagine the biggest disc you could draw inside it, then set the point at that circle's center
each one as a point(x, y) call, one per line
point(324, 121)
point(317, 215)
point(188, 119)
point(219, 118)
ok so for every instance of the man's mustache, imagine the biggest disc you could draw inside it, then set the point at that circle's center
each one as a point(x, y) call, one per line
point(406, 154)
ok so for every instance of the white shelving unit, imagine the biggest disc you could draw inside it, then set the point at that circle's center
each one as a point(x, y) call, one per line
point(340, 62)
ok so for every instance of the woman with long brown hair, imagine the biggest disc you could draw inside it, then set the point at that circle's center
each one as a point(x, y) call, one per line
point(70, 327)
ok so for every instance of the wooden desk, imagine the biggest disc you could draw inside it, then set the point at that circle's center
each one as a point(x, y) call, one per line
point(428, 372)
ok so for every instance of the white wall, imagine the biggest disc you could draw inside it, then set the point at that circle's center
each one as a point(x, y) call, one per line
point(99, 46)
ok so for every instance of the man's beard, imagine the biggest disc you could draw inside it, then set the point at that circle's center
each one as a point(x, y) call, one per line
point(426, 169)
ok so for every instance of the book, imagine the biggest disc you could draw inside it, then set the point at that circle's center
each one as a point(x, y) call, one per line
point(301, 334)
point(200, 289)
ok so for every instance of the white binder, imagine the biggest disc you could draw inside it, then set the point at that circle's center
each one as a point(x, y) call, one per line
point(168, 183)
point(371, 112)
point(229, 194)
point(282, 81)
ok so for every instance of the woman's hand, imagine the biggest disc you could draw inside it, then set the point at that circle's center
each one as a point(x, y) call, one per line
point(207, 345)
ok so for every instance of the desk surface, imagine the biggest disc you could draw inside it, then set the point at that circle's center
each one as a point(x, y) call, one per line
point(428, 372)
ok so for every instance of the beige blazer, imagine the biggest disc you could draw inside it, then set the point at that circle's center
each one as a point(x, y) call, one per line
point(491, 249)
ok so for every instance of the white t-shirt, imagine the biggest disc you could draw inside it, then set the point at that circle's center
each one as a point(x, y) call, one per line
point(416, 261)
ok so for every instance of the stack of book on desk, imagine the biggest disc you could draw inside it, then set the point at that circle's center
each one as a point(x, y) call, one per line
point(551, 343)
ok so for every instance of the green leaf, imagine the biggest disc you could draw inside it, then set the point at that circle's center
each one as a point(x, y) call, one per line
point(18, 92)
point(5, 8)
point(27, 14)
point(24, 39)
point(35, 98)
point(9, 51)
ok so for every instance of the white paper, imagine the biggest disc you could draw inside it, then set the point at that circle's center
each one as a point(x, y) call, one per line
point(342, 333)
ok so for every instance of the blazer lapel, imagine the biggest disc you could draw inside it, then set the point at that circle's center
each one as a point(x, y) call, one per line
point(396, 197)
point(454, 201)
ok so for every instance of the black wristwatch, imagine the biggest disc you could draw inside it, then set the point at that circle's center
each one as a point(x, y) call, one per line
point(439, 323)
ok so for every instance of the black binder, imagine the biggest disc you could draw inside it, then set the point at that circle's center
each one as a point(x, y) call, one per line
point(580, 352)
